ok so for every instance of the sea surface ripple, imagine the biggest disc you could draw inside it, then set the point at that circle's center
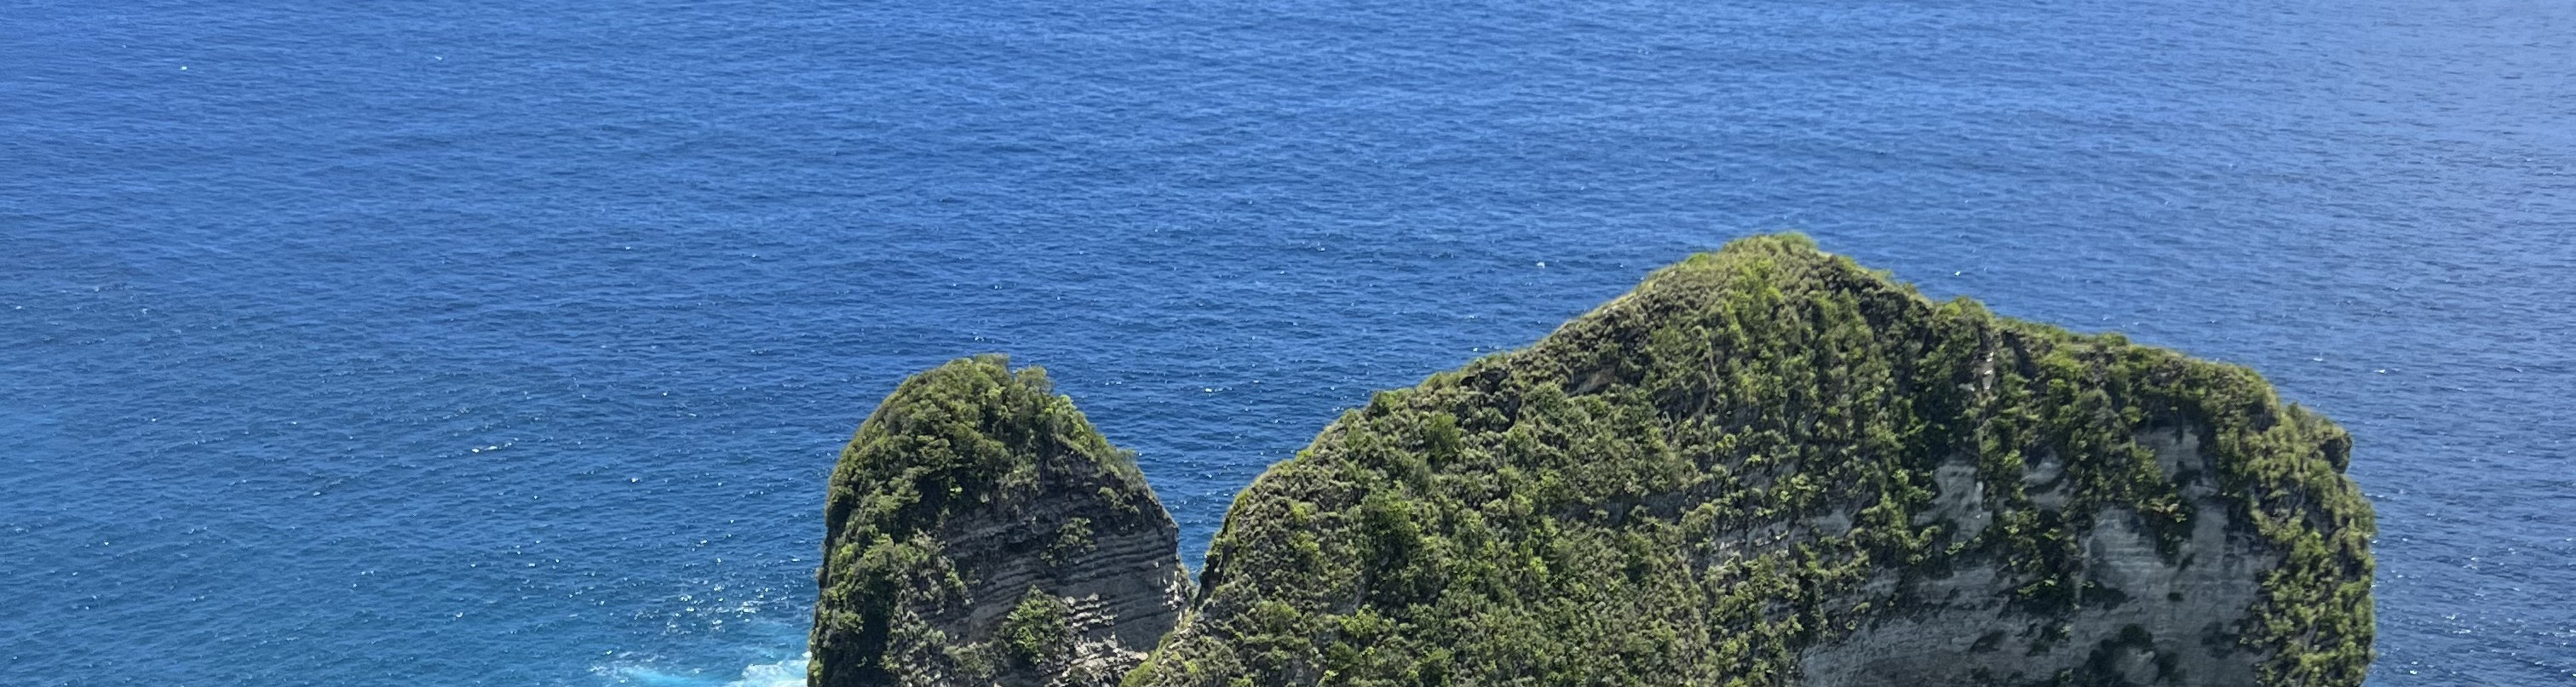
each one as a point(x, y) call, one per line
point(449, 343)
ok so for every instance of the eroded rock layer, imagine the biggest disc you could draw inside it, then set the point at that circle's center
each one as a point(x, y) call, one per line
point(981, 532)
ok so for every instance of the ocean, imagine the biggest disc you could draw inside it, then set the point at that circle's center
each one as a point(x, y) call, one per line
point(450, 343)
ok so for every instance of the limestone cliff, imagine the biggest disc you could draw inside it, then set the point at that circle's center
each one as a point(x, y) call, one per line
point(980, 532)
point(1769, 466)
point(1764, 466)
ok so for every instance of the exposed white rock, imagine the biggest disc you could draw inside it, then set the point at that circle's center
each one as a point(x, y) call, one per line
point(1964, 630)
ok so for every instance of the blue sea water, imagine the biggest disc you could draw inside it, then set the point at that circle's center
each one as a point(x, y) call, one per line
point(449, 343)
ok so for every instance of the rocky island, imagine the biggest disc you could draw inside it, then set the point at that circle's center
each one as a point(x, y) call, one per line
point(982, 532)
point(1765, 465)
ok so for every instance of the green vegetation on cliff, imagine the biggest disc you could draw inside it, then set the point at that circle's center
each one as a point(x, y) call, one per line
point(1702, 480)
point(968, 445)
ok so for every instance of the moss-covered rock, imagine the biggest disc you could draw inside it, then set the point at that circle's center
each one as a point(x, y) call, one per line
point(980, 531)
point(1770, 466)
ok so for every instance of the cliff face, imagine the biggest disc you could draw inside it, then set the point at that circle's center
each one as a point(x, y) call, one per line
point(1764, 466)
point(1769, 466)
point(981, 532)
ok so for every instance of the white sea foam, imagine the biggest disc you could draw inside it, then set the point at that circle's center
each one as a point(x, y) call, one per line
point(784, 673)
point(787, 673)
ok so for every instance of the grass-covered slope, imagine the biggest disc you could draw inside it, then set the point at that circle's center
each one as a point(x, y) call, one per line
point(1760, 454)
point(980, 531)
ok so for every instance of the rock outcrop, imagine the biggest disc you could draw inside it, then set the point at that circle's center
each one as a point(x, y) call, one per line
point(981, 532)
point(1770, 466)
